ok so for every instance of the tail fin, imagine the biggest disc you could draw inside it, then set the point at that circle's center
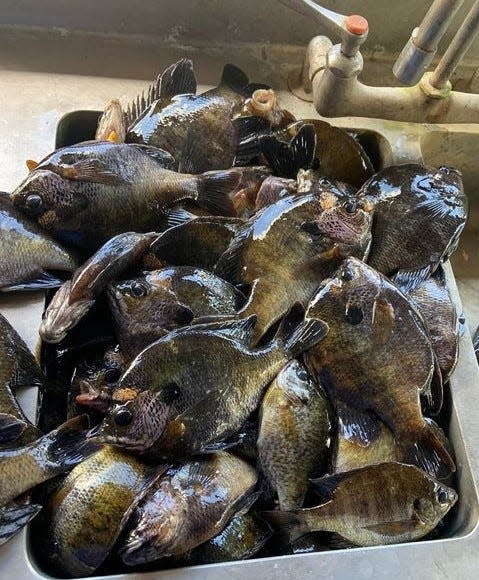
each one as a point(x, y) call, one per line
point(13, 517)
point(289, 524)
point(427, 451)
point(234, 78)
point(298, 338)
point(249, 132)
point(10, 428)
point(214, 191)
point(66, 446)
point(286, 159)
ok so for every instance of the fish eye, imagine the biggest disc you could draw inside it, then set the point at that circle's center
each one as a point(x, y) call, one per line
point(354, 315)
point(122, 417)
point(112, 376)
point(416, 505)
point(33, 202)
point(138, 289)
point(302, 375)
point(324, 182)
point(350, 206)
point(346, 275)
point(169, 393)
point(184, 316)
point(442, 496)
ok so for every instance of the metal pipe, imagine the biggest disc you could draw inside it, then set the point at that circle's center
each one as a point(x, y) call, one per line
point(456, 50)
point(417, 54)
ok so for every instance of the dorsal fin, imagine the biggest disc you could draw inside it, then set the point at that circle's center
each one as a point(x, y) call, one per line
point(231, 327)
point(177, 79)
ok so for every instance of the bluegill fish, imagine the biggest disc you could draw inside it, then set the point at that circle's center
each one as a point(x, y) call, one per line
point(386, 503)
point(148, 307)
point(187, 506)
point(199, 242)
point(286, 249)
point(29, 255)
point(195, 388)
point(293, 435)
point(200, 131)
point(87, 193)
point(90, 508)
point(377, 357)
point(420, 213)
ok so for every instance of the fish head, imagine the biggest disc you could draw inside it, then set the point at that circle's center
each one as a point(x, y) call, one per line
point(149, 298)
point(97, 381)
point(62, 314)
point(135, 425)
point(351, 296)
point(155, 527)
point(49, 198)
point(347, 223)
point(433, 506)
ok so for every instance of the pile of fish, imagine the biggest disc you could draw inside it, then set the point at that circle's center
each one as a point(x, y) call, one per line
point(246, 335)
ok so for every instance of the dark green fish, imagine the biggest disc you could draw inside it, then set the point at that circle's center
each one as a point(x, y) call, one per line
point(87, 193)
point(339, 155)
point(89, 510)
point(200, 131)
point(387, 503)
point(286, 249)
point(377, 356)
point(243, 537)
point(420, 213)
point(188, 506)
point(28, 254)
point(148, 307)
point(18, 368)
point(294, 432)
point(195, 388)
point(76, 296)
point(24, 467)
point(440, 315)
point(200, 242)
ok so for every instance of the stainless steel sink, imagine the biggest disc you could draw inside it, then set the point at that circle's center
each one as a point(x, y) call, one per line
point(38, 92)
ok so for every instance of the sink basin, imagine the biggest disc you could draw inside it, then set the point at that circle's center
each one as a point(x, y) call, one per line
point(38, 93)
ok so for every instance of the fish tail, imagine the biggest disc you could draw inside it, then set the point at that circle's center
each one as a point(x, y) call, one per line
point(290, 524)
point(14, 517)
point(286, 159)
point(296, 338)
point(215, 189)
point(427, 451)
point(234, 78)
point(10, 428)
point(66, 446)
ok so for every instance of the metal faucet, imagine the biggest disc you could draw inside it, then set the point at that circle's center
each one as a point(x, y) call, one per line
point(330, 72)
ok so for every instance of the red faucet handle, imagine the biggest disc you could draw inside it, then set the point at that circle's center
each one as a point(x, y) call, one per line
point(356, 24)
